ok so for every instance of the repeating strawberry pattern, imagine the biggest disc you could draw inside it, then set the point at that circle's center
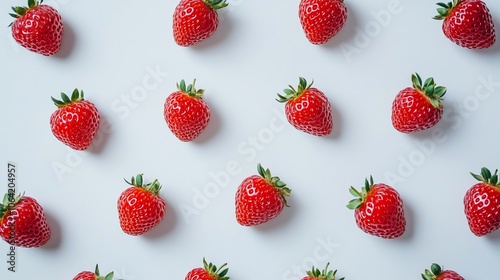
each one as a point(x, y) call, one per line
point(260, 199)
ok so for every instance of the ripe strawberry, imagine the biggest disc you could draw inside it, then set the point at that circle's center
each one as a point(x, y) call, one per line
point(22, 222)
point(88, 275)
point(482, 203)
point(322, 19)
point(140, 207)
point(208, 272)
point(76, 121)
point(437, 273)
point(186, 113)
point(378, 210)
point(260, 198)
point(196, 20)
point(467, 23)
point(307, 109)
point(325, 274)
point(38, 28)
point(418, 108)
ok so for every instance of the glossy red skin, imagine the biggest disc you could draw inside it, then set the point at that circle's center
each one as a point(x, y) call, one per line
point(76, 124)
point(449, 275)
point(186, 116)
point(139, 210)
point(470, 25)
point(382, 213)
point(257, 201)
point(199, 274)
point(29, 223)
point(193, 22)
point(412, 111)
point(85, 275)
point(40, 30)
point(310, 112)
point(322, 19)
point(482, 208)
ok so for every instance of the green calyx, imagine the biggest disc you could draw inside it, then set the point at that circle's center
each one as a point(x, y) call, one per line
point(487, 178)
point(109, 276)
point(20, 11)
point(325, 274)
point(429, 89)
point(275, 182)
point(292, 93)
point(445, 9)
point(433, 273)
point(360, 196)
point(214, 272)
point(216, 4)
point(76, 96)
point(190, 90)
point(137, 182)
point(9, 201)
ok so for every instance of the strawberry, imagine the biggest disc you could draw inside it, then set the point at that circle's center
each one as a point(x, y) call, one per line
point(22, 222)
point(307, 109)
point(140, 207)
point(196, 20)
point(467, 23)
point(186, 113)
point(260, 198)
point(322, 19)
point(418, 108)
point(76, 121)
point(437, 273)
point(378, 210)
point(208, 272)
point(482, 203)
point(88, 275)
point(38, 28)
point(325, 274)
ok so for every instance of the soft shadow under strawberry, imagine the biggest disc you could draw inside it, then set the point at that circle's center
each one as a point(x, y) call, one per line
point(55, 233)
point(165, 226)
point(213, 127)
point(69, 41)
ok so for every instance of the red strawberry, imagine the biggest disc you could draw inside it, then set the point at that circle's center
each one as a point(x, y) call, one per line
point(88, 275)
point(186, 113)
point(307, 109)
point(467, 23)
point(437, 273)
point(208, 272)
point(38, 28)
point(76, 121)
point(378, 210)
point(482, 203)
point(22, 222)
point(260, 198)
point(322, 19)
point(418, 108)
point(196, 20)
point(325, 274)
point(140, 207)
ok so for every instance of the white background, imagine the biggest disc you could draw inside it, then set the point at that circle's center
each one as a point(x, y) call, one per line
point(111, 47)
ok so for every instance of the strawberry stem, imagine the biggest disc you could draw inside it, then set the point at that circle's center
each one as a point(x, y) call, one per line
point(275, 182)
point(360, 197)
point(214, 272)
point(138, 182)
point(291, 93)
point(487, 178)
point(76, 96)
point(190, 89)
point(433, 93)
